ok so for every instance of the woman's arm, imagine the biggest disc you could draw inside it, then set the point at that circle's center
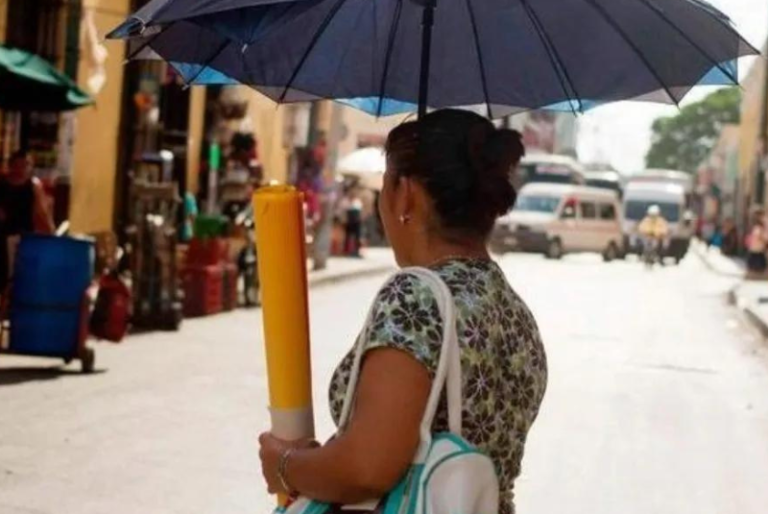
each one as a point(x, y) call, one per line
point(374, 452)
point(43, 223)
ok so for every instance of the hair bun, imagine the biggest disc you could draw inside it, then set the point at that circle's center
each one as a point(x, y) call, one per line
point(493, 150)
point(494, 153)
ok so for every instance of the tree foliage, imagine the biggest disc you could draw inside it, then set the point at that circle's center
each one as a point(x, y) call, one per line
point(683, 141)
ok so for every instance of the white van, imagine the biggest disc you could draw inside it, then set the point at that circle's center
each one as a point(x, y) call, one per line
point(671, 199)
point(556, 219)
point(552, 169)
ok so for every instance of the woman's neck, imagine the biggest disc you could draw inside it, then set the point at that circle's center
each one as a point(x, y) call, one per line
point(436, 250)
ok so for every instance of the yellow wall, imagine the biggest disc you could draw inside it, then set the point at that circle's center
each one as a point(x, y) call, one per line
point(98, 130)
point(751, 117)
point(195, 136)
point(269, 127)
point(3, 16)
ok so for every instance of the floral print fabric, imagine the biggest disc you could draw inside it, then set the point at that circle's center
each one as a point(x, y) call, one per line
point(504, 366)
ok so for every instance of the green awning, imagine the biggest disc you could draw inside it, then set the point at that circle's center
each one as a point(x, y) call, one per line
point(30, 83)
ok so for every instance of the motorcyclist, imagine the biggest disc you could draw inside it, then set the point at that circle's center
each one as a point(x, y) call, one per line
point(654, 229)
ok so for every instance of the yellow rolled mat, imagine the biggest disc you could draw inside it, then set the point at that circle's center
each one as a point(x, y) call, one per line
point(281, 252)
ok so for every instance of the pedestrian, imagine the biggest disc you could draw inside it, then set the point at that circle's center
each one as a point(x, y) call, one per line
point(757, 243)
point(716, 239)
point(730, 246)
point(352, 206)
point(190, 214)
point(23, 210)
point(447, 181)
point(324, 226)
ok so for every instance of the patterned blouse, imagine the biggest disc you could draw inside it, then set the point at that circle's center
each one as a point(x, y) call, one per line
point(504, 367)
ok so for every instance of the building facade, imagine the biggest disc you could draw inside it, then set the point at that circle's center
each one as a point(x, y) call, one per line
point(752, 141)
point(139, 107)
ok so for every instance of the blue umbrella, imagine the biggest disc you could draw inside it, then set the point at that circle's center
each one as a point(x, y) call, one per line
point(497, 57)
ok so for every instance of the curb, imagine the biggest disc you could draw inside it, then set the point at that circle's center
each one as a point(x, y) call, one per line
point(711, 267)
point(756, 321)
point(352, 275)
point(732, 296)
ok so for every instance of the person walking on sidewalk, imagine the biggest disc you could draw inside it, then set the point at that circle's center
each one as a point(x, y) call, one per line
point(324, 225)
point(730, 247)
point(757, 244)
point(447, 180)
point(23, 210)
point(352, 206)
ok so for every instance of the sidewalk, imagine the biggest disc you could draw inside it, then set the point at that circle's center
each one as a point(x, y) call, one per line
point(374, 262)
point(750, 296)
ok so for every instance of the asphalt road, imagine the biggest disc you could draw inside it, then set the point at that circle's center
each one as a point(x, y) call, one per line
point(657, 403)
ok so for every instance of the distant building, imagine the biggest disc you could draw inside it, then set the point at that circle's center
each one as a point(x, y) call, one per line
point(754, 112)
point(718, 176)
point(547, 131)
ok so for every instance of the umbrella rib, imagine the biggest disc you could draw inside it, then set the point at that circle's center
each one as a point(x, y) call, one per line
point(246, 67)
point(388, 57)
point(344, 54)
point(312, 44)
point(690, 40)
point(615, 26)
point(561, 71)
point(708, 10)
point(207, 63)
point(483, 77)
point(144, 45)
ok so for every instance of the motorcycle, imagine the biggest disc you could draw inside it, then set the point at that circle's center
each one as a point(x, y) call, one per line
point(651, 252)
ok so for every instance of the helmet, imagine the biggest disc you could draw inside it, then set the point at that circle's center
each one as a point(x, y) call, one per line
point(654, 210)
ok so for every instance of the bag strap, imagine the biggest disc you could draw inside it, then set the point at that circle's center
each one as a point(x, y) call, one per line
point(447, 375)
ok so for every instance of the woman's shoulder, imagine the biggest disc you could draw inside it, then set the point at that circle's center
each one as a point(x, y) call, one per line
point(405, 287)
point(405, 316)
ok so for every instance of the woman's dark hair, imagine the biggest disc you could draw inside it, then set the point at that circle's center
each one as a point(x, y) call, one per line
point(466, 165)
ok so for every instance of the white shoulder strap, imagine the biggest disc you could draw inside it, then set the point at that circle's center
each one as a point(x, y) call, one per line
point(448, 373)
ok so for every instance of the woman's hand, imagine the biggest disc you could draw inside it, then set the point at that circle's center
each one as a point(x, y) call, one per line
point(271, 449)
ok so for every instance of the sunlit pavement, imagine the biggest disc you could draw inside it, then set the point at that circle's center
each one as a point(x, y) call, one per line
point(658, 403)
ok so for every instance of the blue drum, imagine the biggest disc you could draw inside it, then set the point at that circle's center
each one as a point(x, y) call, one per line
point(51, 275)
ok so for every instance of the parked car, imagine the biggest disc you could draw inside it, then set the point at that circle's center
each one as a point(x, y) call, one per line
point(555, 219)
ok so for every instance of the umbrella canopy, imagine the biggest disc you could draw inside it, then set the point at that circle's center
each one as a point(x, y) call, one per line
point(30, 83)
point(495, 57)
point(367, 164)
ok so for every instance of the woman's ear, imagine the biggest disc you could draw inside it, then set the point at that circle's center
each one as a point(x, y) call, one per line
point(405, 196)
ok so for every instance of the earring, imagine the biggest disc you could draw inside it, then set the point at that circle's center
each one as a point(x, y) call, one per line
point(405, 219)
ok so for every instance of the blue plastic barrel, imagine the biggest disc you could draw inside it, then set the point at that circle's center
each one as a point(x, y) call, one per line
point(49, 279)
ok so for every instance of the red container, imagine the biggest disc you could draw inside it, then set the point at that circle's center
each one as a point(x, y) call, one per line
point(207, 252)
point(111, 313)
point(229, 287)
point(203, 290)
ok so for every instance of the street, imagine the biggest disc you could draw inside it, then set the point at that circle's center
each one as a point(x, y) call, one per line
point(657, 403)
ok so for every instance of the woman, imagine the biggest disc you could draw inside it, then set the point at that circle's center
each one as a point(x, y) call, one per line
point(353, 222)
point(730, 238)
point(447, 181)
point(757, 243)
